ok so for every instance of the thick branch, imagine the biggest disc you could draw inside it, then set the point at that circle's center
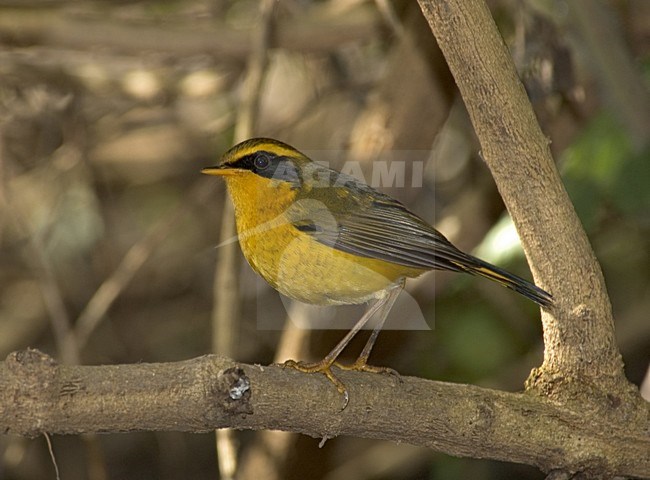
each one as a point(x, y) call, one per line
point(199, 395)
point(579, 340)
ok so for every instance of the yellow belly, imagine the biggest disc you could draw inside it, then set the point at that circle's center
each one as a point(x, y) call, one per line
point(303, 269)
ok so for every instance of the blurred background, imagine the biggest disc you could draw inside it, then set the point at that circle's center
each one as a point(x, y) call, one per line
point(109, 109)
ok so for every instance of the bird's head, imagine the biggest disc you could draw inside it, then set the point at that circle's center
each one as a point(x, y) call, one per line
point(264, 177)
point(262, 160)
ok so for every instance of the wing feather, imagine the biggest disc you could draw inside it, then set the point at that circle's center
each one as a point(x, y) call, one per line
point(368, 223)
point(357, 219)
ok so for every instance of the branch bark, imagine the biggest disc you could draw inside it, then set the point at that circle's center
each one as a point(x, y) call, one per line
point(580, 357)
point(582, 369)
point(210, 392)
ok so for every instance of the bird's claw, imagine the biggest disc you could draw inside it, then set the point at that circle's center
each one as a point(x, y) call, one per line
point(362, 366)
point(326, 369)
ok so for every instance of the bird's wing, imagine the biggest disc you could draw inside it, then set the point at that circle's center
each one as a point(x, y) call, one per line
point(357, 219)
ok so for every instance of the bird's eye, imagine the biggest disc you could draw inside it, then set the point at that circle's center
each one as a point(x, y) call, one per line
point(262, 161)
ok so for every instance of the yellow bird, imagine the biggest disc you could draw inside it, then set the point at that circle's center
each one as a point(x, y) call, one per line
point(322, 237)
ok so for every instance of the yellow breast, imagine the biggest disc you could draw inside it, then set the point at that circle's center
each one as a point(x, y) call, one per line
point(292, 261)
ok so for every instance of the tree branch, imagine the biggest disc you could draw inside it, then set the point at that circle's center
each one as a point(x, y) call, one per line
point(209, 392)
point(57, 29)
point(580, 348)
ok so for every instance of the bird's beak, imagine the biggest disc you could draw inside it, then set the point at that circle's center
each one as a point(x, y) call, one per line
point(220, 170)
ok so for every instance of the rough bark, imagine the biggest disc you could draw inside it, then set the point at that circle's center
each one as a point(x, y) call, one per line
point(582, 368)
point(579, 338)
point(210, 392)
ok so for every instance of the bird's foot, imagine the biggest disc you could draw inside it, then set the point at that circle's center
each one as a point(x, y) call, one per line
point(361, 366)
point(324, 367)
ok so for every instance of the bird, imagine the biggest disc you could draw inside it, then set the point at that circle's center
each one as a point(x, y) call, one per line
point(323, 237)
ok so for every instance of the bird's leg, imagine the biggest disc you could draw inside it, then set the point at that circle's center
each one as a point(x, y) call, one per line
point(331, 357)
point(325, 365)
point(361, 363)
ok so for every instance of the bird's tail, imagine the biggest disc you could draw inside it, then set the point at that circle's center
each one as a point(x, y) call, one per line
point(476, 266)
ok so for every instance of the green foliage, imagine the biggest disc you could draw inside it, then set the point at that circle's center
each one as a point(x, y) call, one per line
point(602, 173)
point(475, 341)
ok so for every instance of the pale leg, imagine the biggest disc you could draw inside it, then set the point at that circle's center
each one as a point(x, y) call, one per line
point(382, 305)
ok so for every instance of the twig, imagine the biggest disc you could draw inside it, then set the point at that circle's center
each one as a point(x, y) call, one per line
point(58, 314)
point(225, 315)
point(35, 254)
point(52, 457)
point(387, 11)
point(56, 29)
point(94, 312)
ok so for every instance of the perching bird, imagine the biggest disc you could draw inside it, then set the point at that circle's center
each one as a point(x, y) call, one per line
point(320, 236)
